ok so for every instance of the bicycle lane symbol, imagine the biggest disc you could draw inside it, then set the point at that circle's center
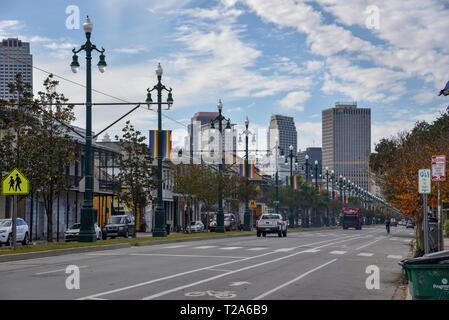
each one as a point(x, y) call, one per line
point(216, 294)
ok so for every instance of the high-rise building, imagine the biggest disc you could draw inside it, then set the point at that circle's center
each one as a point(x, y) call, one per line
point(202, 140)
point(15, 58)
point(346, 134)
point(315, 154)
point(283, 130)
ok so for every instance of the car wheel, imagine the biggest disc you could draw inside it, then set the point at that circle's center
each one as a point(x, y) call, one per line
point(25, 239)
point(104, 236)
point(126, 234)
point(264, 234)
point(258, 233)
point(285, 233)
point(280, 234)
point(8, 241)
point(99, 236)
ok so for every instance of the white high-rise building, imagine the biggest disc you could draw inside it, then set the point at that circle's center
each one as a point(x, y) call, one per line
point(15, 58)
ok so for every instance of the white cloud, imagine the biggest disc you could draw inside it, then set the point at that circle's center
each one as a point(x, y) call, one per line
point(309, 134)
point(294, 100)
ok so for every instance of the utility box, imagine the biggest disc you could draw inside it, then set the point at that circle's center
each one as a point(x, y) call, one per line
point(433, 235)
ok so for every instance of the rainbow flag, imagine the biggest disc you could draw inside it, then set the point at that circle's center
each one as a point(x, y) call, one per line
point(252, 170)
point(166, 143)
point(289, 180)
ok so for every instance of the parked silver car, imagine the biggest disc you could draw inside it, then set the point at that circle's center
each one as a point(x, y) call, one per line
point(22, 235)
point(196, 226)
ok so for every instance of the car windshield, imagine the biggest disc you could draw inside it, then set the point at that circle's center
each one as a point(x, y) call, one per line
point(76, 226)
point(270, 216)
point(193, 223)
point(116, 220)
point(5, 223)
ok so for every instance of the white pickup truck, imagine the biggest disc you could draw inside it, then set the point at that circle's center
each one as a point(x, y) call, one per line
point(271, 223)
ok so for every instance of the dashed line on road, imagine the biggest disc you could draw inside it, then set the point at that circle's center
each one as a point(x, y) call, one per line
point(337, 252)
point(284, 250)
point(175, 246)
point(257, 249)
point(391, 256)
point(204, 247)
point(230, 248)
point(53, 271)
point(365, 254)
point(183, 255)
point(312, 250)
point(294, 280)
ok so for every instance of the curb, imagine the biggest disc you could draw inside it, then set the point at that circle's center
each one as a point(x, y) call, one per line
point(60, 252)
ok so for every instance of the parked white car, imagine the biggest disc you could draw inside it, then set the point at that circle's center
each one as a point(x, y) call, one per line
point(197, 226)
point(71, 234)
point(23, 233)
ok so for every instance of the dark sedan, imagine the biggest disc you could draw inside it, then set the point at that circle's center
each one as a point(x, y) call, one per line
point(118, 226)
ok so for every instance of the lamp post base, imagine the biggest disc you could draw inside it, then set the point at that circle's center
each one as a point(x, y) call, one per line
point(220, 230)
point(246, 221)
point(87, 231)
point(160, 229)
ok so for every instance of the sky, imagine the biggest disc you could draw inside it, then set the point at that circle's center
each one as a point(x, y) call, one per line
point(259, 57)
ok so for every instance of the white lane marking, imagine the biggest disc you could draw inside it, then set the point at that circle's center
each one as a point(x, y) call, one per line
point(368, 244)
point(407, 240)
point(391, 256)
point(337, 252)
point(204, 247)
point(200, 269)
point(294, 280)
point(312, 250)
point(394, 239)
point(182, 255)
point(175, 246)
point(239, 283)
point(365, 254)
point(230, 248)
point(238, 270)
point(53, 271)
point(257, 249)
point(284, 249)
point(220, 270)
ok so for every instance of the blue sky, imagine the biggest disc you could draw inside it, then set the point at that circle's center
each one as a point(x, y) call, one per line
point(260, 57)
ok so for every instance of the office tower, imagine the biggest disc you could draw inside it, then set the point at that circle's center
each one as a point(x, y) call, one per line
point(346, 133)
point(314, 153)
point(204, 141)
point(15, 57)
point(283, 130)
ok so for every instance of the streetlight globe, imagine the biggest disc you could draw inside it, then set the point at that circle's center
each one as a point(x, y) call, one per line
point(246, 122)
point(88, 26)
point(316, 162)
point(220, 105)
point(307, 157)
point(327, 168)
point(291, 147)
point(159, 70)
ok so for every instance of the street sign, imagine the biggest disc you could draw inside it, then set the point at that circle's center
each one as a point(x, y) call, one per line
point(424, 181)
point(15, 183)
point(252, 204)
point(276, 202)
point(439, 168)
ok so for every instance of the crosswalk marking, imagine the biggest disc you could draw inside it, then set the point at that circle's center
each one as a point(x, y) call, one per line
point(365, 254)
point(257, 249)
point(337, 252)
point(204, 247)
point(391, 256)
point(230, 248)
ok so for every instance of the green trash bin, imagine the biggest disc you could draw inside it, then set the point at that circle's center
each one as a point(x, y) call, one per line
point(428, 276)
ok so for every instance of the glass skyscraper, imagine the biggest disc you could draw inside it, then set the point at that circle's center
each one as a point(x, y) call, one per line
point(15, 57)
point(283, 130)
point(346, 133)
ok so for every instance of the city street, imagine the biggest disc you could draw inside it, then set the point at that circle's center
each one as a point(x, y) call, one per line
point(319, 264)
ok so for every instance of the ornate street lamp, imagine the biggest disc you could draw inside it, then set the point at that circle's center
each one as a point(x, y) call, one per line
point(219, 119)
point(290, 155)
point(88, 214)
point(246, 217)
point(159, 219)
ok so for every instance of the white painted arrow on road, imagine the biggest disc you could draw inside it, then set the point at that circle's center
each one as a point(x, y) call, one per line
point(239, 283)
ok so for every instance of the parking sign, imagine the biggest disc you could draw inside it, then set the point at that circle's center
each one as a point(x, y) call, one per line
point(439, 168)
point(424, 180)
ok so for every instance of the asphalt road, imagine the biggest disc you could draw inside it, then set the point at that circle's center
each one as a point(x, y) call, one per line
point(322, 264)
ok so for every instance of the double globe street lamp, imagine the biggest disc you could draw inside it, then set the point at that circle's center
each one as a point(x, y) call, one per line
point(219, 119)
point(247, 133)
point(290, 155)
point(160, 229)
point(87, 231)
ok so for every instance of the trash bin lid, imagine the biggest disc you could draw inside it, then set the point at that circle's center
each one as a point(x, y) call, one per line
point(431, 258)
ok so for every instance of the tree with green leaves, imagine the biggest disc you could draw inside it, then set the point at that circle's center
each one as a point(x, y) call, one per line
point(136, 172)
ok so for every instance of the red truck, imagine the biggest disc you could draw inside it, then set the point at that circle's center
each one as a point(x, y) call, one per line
point(351, 218)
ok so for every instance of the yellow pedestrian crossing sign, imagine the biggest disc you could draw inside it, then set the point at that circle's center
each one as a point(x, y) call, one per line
point(252, 204)
point(15, 183)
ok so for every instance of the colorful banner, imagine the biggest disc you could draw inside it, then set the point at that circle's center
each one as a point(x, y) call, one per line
point(320, 188)
point(166, 143)
point(252, 170)
point(288, 181)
